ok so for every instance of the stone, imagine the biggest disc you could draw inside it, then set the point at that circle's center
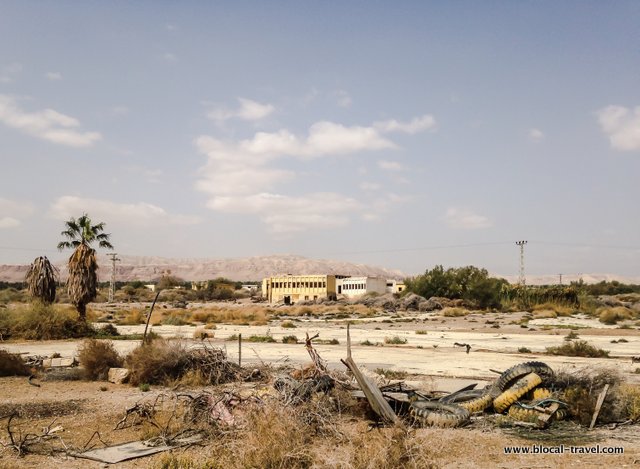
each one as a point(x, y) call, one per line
point(118, 375)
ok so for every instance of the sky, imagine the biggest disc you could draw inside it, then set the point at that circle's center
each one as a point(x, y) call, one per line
point(403, 134)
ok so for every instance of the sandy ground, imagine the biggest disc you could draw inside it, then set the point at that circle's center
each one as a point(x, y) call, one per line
point(429, 356)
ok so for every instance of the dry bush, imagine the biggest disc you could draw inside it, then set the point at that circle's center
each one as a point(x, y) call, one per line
point(276, 438)
point(12, 365)
point(395, 340)
point(176, 318)
point(629, 398)
point(250, 315)
point(454, 312)
point(559, 309)
point(580, 390)
point(578, 348)
point(160, 362)
point(133, 318)
point(45, 322)
point(613, 315)
point(383, 448)
point(96, 357)
point(202, 333)
point(544, 314)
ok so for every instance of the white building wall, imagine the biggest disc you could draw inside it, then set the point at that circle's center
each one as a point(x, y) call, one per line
point(352, 287)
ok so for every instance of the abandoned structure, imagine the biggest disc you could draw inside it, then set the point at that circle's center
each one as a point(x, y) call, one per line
point(352, 287)
point(290, 289)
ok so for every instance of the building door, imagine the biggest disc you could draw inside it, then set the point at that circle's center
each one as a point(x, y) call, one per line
point(339, 289)
point(287, 300)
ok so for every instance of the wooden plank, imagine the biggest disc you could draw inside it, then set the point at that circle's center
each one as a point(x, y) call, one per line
point(598, 406)
point(376, 400)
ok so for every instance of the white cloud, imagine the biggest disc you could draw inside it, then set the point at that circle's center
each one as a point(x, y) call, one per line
point(343, 99)
point(46, 124)
point(417, 124)
point(535, 135)
point(248, 110)
point(140, 213)
point(53, 76)
point(622, 126)
point(9, 222)
point(242, 176)
point(369, 186)
point(170, 57)
point(464, 219)
point(12, 211)
point(290, 214)
point(390, 165)
point(171, 27)
point(10, 72)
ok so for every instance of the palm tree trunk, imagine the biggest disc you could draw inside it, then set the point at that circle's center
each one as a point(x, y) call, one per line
point(82, 312)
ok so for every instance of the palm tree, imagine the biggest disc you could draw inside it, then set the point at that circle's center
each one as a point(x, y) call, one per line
point(83, 279)
point(41, 280)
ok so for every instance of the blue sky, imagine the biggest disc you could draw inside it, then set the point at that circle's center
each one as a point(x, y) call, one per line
point(402, 134)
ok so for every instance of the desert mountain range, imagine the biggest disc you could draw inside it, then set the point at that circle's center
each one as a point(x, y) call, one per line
point(148, 268)
point(250, 268)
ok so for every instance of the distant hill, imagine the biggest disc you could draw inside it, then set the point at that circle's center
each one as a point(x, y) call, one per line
point(250, 268)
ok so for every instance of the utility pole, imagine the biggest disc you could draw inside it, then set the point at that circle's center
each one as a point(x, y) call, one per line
point(521, 280)
point(560, 275)
point(112, 283)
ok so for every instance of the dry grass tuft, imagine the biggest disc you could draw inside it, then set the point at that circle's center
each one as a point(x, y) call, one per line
point(578, 348)
point(133, 318)
point(12, 365)
point(613, 315)
point(454, 312)
point(43, 322)
point(629, 397)
point(558, 309)
point(544, 314)
point(96, 357)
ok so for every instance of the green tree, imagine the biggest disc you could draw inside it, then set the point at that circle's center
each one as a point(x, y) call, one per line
point(83, 266)
point(468, 283)
point(41, 280)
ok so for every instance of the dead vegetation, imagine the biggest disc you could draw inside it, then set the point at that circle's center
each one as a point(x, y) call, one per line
point(162, 362)
point(96, 357)
point(12, 365)
point(578, 348)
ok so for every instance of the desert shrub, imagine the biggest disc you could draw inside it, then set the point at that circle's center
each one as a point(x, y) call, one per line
point(421, 332)
point(203, 316)
point(572, 335)
point(544, 314)
point(261, 338)
point(289, 339)
point(327, 341)
point(108, 330)
point(96, 357)
point(288, 325)
point(613, 315)
point(391, 374)
point(367, 342)
point(161, 362)
point(524, 350)
point(134, 317)
point(12, 364)
point(578, 348)
point(175, 319)
point(558, 308)
point(45, 322)
point(278, 438)
point(629, 397)
point(203, 333)
point(454, 312)
point(395, 340)
point(469, 283)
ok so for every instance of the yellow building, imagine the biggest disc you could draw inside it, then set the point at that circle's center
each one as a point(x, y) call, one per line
point(293, 288)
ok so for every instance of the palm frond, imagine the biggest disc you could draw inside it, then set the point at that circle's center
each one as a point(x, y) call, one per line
point(41, 280)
